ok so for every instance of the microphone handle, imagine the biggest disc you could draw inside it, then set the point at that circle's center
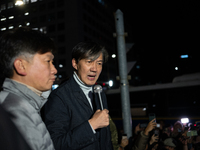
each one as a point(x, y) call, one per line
point(100, 100)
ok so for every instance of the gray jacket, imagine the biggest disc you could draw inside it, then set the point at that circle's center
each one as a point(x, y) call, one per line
point(25, 105)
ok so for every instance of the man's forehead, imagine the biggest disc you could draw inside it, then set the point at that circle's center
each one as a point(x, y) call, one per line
point(96, 57)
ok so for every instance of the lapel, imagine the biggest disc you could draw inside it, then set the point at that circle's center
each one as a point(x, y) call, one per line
point(79, 95)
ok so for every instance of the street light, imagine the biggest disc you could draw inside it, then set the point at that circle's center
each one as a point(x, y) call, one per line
point(19, 3)
point(113, 55)
point(110, 83)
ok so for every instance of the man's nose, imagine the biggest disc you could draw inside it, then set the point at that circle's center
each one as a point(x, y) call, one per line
point(53, 69)
point(93, 67)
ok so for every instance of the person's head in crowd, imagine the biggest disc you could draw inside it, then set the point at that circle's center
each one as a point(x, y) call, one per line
point(167, 130)
point(170, 144)
point(87, 60)
point(177, 128)
point(27, 56)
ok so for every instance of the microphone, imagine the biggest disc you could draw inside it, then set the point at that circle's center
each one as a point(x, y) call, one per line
point(98, 89)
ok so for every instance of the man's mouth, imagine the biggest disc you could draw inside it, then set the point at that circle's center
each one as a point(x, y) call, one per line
point(91, 76)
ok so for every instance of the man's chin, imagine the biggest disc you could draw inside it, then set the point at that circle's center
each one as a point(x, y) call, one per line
point(91, 83)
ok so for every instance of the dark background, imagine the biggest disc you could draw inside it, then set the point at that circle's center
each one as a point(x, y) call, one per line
point(162, 31)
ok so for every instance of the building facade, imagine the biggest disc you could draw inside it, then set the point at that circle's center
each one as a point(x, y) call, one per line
point(67, 22)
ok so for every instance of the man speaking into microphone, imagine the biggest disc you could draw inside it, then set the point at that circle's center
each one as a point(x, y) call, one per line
point(73, 113)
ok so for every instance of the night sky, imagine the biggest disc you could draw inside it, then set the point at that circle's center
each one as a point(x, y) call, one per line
point(162, 31)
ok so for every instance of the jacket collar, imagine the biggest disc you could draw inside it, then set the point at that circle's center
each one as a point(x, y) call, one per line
point(22, 90)
point(79, 94)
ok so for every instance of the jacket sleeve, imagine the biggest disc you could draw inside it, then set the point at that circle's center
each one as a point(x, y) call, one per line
point(32, 128)
point(141, 142)
point(64, 133)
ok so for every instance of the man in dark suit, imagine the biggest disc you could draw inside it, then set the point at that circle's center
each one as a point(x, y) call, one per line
point(73, 112)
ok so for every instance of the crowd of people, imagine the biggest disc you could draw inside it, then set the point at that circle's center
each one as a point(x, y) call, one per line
point(163, 136)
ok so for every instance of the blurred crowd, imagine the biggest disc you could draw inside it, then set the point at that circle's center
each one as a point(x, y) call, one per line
point(156, 135)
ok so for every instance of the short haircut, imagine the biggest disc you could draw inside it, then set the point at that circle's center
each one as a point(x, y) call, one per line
point(89, 50)
point(22, 42)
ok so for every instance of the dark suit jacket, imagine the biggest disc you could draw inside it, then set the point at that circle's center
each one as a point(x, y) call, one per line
point(66, 116)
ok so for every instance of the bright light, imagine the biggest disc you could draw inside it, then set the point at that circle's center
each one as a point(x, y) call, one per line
point(11, 27)
point(60, 65)
point(3, 19)
point(3, 29)
point(144, 109)
point(20, 25)
point(32, 1)
point(11, 17)
point(19, 3)
point(27, 13)
point(184, 56)
point(184, 120)
point(28, 23)
point(176, 68)
point(138, 66)
point(113, 55)
point(35, 28)
point(54, 86)
point(110, 83)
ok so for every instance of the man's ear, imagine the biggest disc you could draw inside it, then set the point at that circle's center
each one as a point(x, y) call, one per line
point(74, 64)
point(19, 65)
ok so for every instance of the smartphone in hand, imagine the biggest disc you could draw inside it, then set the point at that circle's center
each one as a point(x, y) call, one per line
point(152, 116)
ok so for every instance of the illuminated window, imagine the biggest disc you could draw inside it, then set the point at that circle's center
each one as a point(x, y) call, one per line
point(11, 17)
point(3, 19)
point(3, 29)
point(19, 3)
point(26, 14)
point(10, 27)
point(35, 29)
point(33, 1)
point(26, 1)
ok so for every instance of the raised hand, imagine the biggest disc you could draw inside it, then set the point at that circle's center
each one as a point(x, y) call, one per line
point(151, 125)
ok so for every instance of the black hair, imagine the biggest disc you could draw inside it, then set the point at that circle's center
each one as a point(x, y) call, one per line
point(88, 50)
point(21, 42)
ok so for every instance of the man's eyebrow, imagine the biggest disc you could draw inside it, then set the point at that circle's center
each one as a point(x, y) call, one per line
point(50, 56)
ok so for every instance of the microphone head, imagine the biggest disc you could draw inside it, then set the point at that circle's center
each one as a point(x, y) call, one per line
point(97, 88)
